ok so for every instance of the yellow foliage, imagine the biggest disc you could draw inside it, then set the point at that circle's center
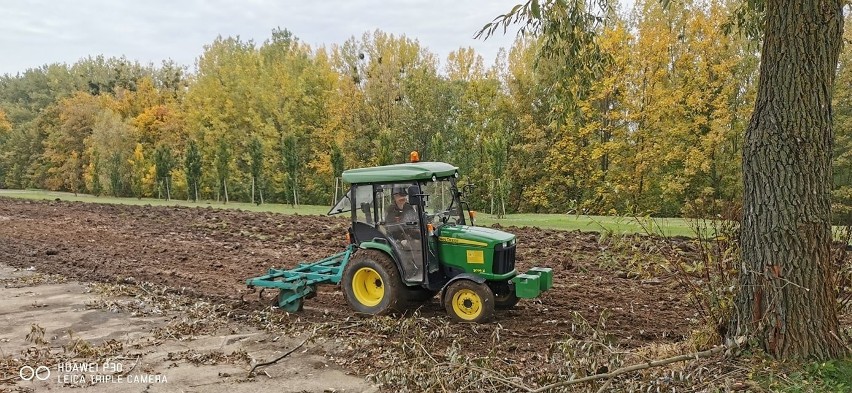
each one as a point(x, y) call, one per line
point(149, 181)
point(5, 125)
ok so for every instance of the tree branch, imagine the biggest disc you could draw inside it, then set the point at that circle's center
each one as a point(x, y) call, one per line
point(635, 367)
point(251, 372)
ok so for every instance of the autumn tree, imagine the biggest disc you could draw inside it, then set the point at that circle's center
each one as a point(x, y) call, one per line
point(786, 304)
point(192, 168)
point(5, 131)
point(529, 118)
point(291, 159)
point(112, 143)
point(164, 161)
point(93, 174)
point(223, 169)
point(497, 152)
point(138, 171)
point(66, 135)
point(786, 301)
point(256, 155)
point(337, 161)
point(74, 173)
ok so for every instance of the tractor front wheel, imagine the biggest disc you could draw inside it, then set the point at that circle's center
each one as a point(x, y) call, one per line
point(467, 301)
point(504, 295)
point(371, 283)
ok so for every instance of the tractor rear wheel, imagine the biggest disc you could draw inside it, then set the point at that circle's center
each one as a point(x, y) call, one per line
point(371, 283)
point(467, 301)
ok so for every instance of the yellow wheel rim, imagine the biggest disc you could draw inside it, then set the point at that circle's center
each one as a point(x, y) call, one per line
point(367, 287)
point(467, 304)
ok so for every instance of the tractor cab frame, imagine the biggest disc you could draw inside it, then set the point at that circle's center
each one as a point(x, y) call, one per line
point(402, 217)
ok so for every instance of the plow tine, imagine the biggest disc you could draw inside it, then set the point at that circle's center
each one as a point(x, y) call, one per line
point(249, 292)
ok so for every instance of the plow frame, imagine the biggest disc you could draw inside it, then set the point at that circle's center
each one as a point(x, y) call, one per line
point(298, 283)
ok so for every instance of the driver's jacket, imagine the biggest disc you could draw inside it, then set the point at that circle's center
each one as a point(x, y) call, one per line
point(395, 215)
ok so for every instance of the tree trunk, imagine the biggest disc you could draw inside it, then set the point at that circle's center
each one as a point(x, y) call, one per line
point(786, 303)
point(225, 186)
point(252, 189)
point(492, 198)
point(195, 185)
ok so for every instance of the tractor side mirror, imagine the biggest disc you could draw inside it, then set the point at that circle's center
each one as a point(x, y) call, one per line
point(366, 209)
point(468, 188)
point(415, 198)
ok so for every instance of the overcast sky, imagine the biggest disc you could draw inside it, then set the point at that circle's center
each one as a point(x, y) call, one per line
point(38, 32)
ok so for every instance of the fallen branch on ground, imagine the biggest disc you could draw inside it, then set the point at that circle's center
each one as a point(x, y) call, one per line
point(635, 367)
point(251, 372)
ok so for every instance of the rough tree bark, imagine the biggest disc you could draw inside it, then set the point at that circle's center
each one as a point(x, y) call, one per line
point(787, 304)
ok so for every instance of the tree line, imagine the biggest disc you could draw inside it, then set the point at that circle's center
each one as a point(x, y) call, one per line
point(654, 125)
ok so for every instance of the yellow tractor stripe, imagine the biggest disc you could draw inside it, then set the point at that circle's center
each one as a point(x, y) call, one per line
point(453, 240)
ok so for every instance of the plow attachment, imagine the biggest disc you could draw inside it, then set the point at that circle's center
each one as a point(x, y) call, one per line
point(296, 284)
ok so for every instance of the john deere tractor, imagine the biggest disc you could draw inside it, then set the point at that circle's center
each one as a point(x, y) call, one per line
point(412, 237)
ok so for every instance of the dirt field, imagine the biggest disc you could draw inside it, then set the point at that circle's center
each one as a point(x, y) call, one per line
point(137, 351)
point(206, 254)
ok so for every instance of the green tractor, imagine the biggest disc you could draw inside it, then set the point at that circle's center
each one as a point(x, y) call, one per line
point(412, 237)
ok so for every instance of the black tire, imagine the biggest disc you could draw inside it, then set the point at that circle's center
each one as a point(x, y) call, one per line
point(506, 302)
point(467, 301)
point(371, 283)
point(504, 296)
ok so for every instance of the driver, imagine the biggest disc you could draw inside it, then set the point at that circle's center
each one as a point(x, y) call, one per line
point(400, 211)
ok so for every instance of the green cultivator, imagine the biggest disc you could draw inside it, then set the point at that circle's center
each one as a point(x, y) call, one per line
point(300, 283)
point(410, 239)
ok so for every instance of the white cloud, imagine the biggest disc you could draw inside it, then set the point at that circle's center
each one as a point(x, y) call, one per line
point(38, 32)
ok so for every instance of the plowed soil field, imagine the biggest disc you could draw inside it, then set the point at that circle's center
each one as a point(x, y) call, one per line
point(209, 253)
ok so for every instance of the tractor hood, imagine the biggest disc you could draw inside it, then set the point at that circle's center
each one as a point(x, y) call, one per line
point(474, 236)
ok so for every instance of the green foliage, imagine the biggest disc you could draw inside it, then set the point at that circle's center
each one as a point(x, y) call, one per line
point(291, 155)
point(223, 169)
point(5, 132)
point(95, 174)
point(337, 160)
point(138, 170)
point(842, 116)
point(256, 153)
point(164, 161)
point(192, 168)
point(831, 376)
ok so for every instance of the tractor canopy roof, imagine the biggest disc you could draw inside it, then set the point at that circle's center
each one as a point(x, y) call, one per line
point(399, 172)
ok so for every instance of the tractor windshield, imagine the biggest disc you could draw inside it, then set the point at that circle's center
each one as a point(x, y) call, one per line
point(344, 205)
point(442, 206)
